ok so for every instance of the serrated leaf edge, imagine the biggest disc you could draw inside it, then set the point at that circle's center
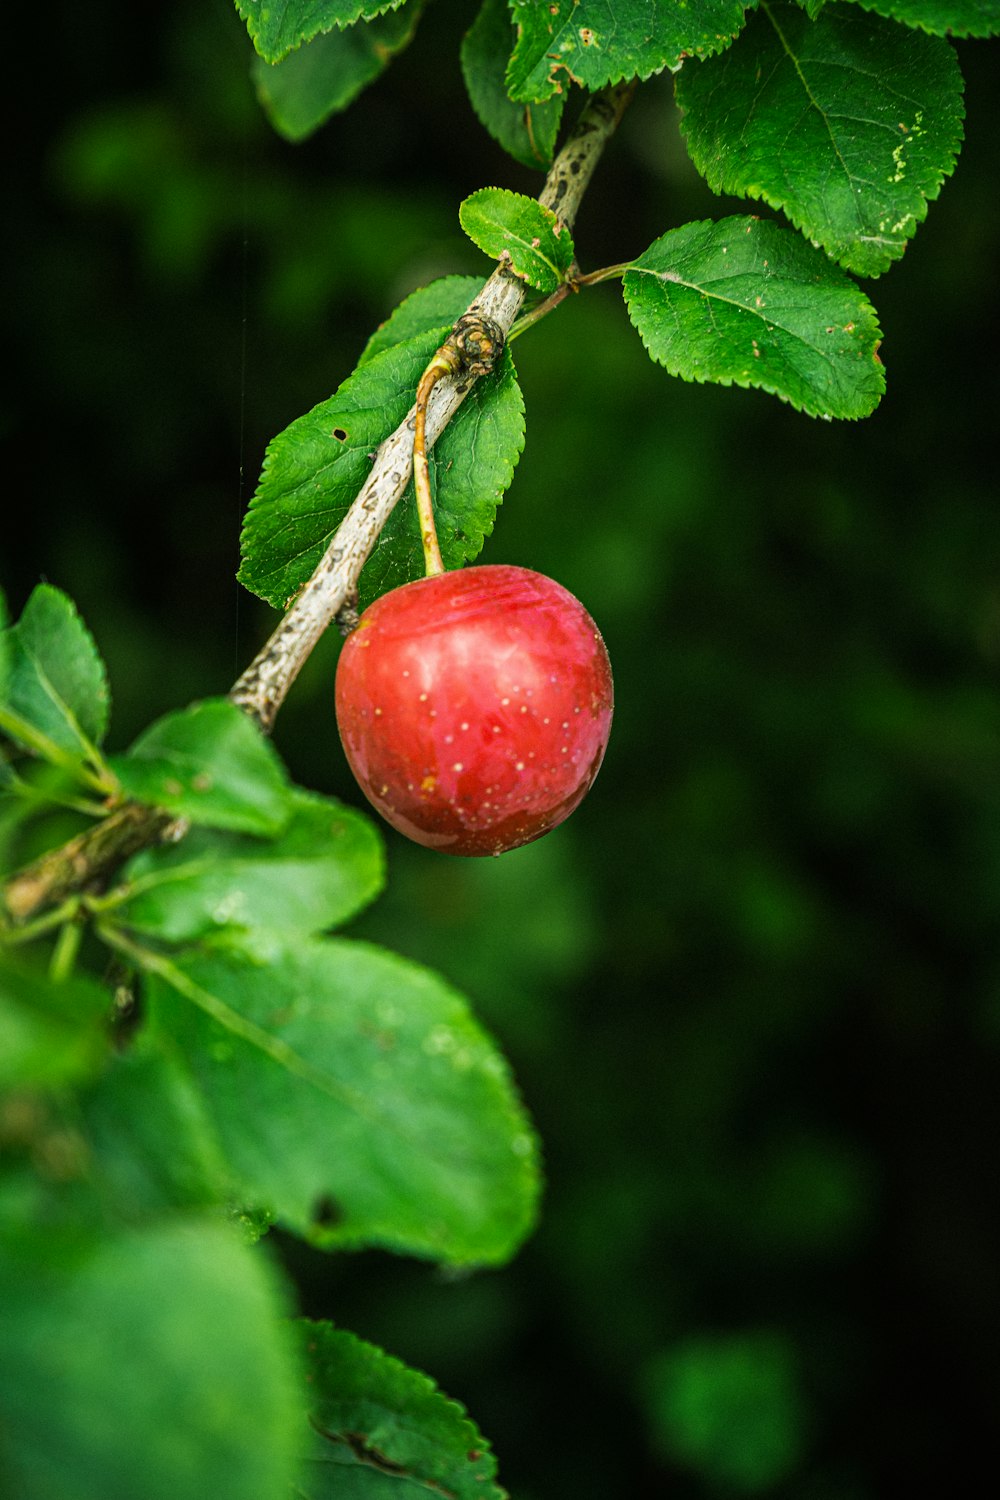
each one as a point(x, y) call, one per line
point(919, 23)
point(615, 75)
point(478, 1447)
point(254, 31)
point(550, 221)
point(730, 380)
point(260, 505)
point(33, 738)
point(840, 251)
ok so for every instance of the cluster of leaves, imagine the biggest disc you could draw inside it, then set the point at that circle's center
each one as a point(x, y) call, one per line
point(315, 468)
point(238, 1066)
point(845, 117)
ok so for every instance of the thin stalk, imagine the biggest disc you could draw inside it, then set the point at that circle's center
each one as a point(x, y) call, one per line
point(574, 281)
point(67, 947)
point(445, 362)
point(542, 309)
point(606, 273)
point(18, 787)
point(27, 932)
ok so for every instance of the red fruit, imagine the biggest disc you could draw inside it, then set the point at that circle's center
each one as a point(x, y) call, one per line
point(474, 707)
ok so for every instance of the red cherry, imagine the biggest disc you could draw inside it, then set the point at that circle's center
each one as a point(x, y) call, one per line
point(474, 707)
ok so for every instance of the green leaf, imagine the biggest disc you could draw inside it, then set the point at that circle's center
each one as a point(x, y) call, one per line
point(942, 17)
point(49, 1033)
point(315, 468)
point(526, 131)
point(370, 1410)
point(743, 302)
point(56, 699)
point(326, 74)
point(849, 124)
point(324, 866)
point(211, 764)
point(277, 27)
point(594, 43)
point(521, 232)
point(42, 805)
point(354, 1095)
point(426, 310)
point(152, 1363)
point(152, 1146)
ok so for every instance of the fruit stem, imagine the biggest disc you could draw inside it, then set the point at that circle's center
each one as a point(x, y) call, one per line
point(445, 362)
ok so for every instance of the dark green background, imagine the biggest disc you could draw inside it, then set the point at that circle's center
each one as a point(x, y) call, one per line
point(752, 989)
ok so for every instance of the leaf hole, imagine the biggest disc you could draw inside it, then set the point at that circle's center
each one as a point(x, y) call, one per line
point(327, 1213)
point(340, 433)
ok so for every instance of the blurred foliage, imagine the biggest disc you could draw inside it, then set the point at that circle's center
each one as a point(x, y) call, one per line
point(752, 989)
point(730, 1409)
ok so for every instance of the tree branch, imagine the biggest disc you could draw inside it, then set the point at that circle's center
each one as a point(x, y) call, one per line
point(85, 860)
point(262, 688)
point(91, 859)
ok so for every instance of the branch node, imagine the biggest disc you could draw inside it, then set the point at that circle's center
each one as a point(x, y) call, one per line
point(347, 616)
point(478, 341)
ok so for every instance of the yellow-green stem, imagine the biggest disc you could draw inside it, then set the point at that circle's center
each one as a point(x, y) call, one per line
point(445, 362)
point(65, 951)
point(573, 283)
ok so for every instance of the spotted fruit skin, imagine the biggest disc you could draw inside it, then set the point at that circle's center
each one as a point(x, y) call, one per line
point(474, 707)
